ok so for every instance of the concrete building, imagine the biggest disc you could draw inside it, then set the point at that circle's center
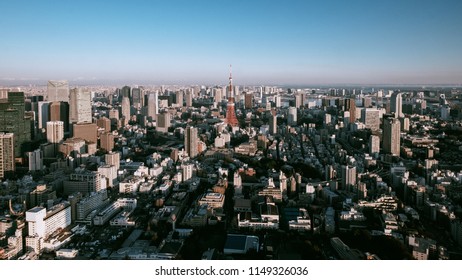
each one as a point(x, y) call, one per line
point(107, 141)
point(392, 136)
point(86, 131)
point(348, 177)
point(396, 104)
point(191, 141)
point(7, 163)
point(80, 106)
point(374, 144)
point(58, 91)
point(113, 158)
point(35, 160)
point(55, 131)
point(371, 118)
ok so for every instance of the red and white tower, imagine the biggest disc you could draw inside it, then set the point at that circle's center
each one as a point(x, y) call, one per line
point(231, 118)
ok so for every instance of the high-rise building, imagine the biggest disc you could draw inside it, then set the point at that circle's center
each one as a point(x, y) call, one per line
point(248, 102)
point(188, 98)
point(55, 131)
point(59, 111)
point(273, 123)
point(163, 122)
point(179, 98)
point(35, 159)
point(374, 144)
point(104, 123)
point(348, 177)
point(58, 91)
point(191, 141)
point(292, 116)
point(43, 113)
point(153, 104)
point(350, 106)
point(113, 158)
point(126, 108)
point(86, 131)
point(7, 163)
point(392, 136)
point(137, 97)
point(299, 100)
point(107, 141)
point(80, 106)
point(14, 120)
point(371, 118)
point(396, 104)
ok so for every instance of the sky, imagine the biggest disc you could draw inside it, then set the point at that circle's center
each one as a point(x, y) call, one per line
point(267, 42)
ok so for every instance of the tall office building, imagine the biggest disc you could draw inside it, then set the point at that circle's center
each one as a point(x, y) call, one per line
point(350, 106)
point(163, 122)
point(86, 131)
point(112, 158)
point(6, 154)
point(58, 91)
point(374, 144)
point(299, 100)
point(43, 113)
point(179, 98)
point(35, 159)
point(104, 123)
point(191, 141)
point(273, 123)
point(107, 141)
point(59, 111)
point(248, 102)
point(348, 177)
point(80, 106)
point(55, 131)
point(396, 104)
point(137, 97)
point(126, 108)
point(392, 136)
point(371, 118)
point(188, 98)
point(292, 116)
point(217, 95)
point(14, 120)
point(153, 104)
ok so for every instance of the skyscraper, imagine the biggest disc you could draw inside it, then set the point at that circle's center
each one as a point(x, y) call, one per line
point(13, 120)
point(6, 154)
point(348, 177)
point(126, 107)
point(396, 104)
point(292, 116)
point(107, 141)
point(163, 122)
point(188, 98)
point(374, 144)
point(350, 106)
point(190, 141)
point(80, 106)
point(273, 123)
point(86, 131)
point(248, 103)
point(391, 136)
point(371, 118)
point(58, 91)
point(59, 111)
point(137, 98)
point(55, 131)
point(153, 104)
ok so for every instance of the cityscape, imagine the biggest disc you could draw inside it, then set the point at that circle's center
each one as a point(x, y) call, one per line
point(271, 143)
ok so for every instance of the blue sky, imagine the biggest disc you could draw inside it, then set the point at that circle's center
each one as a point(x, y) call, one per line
point(267, 42)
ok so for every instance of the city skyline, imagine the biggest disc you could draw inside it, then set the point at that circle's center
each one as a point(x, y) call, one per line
point(178, 42)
